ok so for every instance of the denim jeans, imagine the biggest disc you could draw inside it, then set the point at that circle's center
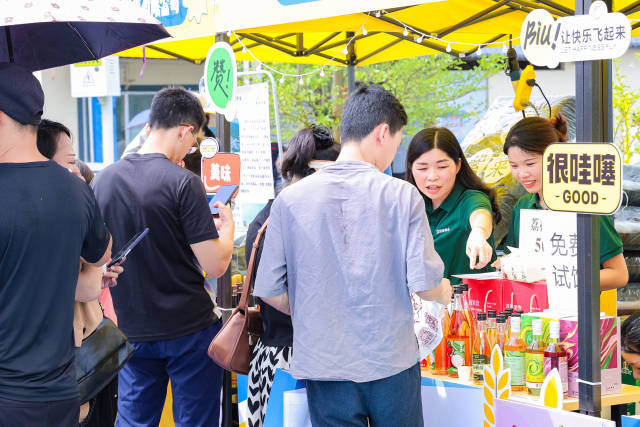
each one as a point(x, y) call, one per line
point(388, 402)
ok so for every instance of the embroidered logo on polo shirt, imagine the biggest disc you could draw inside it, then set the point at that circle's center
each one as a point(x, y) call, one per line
point(442, 230)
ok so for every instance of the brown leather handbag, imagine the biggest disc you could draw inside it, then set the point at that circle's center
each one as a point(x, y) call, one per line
point(231, 348)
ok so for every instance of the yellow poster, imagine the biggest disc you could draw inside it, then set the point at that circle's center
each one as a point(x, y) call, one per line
point(582, 177)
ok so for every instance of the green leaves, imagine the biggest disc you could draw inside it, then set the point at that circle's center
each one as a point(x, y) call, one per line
point(429, 87)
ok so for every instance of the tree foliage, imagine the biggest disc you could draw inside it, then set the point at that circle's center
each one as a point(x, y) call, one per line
point(429, 87)
point(626, 131)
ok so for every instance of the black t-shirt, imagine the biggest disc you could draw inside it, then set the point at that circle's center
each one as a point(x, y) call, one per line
point(48, 219)
point(161, 293)
point(278, 330)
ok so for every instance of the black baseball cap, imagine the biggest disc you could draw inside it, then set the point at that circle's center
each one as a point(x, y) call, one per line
point(21, 95)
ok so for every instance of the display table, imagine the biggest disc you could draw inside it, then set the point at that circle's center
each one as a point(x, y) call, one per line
point(617, 402)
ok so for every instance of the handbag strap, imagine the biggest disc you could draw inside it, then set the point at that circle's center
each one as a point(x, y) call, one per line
point(248, 278)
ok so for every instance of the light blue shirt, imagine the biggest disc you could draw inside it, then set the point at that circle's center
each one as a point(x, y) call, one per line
point(352, 243)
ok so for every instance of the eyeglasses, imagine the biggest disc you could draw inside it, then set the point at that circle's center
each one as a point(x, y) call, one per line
point(196, 139)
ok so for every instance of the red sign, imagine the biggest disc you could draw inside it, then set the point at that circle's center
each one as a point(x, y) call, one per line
point(221, 169)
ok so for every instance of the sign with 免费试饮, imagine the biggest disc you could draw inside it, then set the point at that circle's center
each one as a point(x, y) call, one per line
point(582, 177)
point(221, 79)
point(552, 237)
point(598, 35)
point(221, 169)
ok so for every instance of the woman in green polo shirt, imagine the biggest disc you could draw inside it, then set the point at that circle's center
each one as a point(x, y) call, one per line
point(460, 208)
point(524, 146)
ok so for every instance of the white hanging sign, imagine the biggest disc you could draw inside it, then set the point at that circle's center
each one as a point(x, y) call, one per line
point(552, 236)
point(598, 35)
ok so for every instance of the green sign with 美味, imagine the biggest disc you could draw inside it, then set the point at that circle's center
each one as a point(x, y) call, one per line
point(221, 78)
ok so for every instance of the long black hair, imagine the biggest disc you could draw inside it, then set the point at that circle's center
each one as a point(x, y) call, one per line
point(311, 143)
point(535, 134)
point(630, 334)
point(442, 138)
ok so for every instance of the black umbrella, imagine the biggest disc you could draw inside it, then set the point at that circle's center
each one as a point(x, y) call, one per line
point(38, 34)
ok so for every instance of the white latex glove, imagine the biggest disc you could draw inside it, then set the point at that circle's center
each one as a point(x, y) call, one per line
point(478, 250)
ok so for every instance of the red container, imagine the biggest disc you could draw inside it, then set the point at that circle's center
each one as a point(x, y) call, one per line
point(484, 295)
point(500, 294)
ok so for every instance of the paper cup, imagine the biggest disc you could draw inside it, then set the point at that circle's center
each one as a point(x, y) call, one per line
point(464, 373)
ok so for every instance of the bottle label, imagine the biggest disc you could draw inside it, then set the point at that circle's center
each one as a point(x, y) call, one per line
point(535, 370)
point(479, 361)
point(456, 352)
point(563, 368)
point(515, 360)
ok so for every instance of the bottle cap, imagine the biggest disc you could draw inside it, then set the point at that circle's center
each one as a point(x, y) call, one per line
point(536, 325)
point(515, 315)
point(500, 318)
point(520, 312)
point(554, 329)
point(482, 316)
point(515, 324)
point(509, 310)
point(457, 290)
point(465, 287)
point(491, 314)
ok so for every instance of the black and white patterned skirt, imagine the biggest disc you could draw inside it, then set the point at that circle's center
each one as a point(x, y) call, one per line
point(264, 362)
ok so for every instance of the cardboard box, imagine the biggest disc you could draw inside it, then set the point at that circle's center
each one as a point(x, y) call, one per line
point(610, 365)
point(500, 294)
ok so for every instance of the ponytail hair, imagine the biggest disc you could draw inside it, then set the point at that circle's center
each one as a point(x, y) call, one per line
point(442, 138)
point(535, 134)
point(311, 143)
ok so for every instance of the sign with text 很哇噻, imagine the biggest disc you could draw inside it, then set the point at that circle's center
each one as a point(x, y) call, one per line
point(582, 177)
point(598, 35)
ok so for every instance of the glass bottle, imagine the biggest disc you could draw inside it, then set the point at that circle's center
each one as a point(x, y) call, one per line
point(515, 355)
point(481, 350)
point(534, 359)
point(492, 335)
point(440, 355)
point(509, 313)
point(501, 331)
point(458, 339)
point(555, 356)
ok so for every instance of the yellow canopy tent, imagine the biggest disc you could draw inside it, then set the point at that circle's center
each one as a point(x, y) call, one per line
point(317, 41)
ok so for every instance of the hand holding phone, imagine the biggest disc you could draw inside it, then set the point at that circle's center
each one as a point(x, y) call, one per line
point(127, 248)
point(224, 194)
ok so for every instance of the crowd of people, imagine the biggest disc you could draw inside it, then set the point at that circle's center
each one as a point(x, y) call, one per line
point(347, 247)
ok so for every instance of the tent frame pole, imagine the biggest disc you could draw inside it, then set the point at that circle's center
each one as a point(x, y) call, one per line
point(594, 114)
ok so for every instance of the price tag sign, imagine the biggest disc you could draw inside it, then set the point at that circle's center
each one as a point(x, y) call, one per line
point(582, 177)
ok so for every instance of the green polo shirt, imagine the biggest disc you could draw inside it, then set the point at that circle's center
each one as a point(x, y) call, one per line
point(450, 228)
point(610, 242)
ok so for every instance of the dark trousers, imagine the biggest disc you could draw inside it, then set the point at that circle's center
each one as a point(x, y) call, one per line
point(104, 407)
point(389, 402)
point(62, 413)
point(196, 382)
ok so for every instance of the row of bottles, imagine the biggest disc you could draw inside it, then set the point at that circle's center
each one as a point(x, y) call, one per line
point(469, 343)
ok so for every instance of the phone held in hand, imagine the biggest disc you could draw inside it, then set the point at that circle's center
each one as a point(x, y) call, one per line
point(128, 247)
point(224, 194)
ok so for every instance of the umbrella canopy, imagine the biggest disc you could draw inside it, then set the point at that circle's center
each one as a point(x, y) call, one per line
point(139, 119)
point(316, 41)
point(39, 34)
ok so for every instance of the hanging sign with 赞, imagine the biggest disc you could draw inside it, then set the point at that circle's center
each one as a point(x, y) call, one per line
point(598, 35)
point(582, 177)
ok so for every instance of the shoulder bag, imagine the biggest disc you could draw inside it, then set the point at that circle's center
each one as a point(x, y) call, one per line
point(231, 348)
point(99, 358)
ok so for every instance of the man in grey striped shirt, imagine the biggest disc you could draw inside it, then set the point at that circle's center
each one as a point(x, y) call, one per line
point(344, 248)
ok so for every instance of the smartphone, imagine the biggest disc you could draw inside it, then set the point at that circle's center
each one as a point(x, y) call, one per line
point(128, 247)
point(224, 194)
